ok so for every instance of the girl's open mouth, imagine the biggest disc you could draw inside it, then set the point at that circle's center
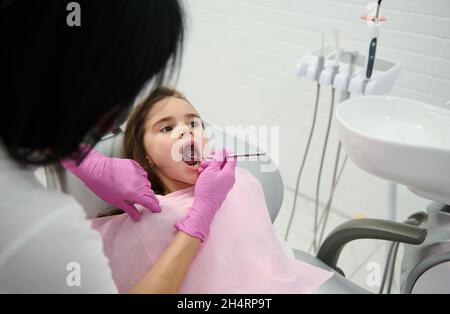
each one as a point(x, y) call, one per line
point(191, 154)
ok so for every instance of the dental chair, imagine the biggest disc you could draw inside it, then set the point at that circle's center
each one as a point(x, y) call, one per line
point(268, 174)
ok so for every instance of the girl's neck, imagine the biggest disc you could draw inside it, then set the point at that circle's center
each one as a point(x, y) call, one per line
point(171, 186)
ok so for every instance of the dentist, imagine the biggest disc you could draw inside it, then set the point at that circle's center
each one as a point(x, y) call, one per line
point(69, 71)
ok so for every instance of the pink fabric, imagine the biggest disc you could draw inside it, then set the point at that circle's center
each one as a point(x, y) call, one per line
point(241, 254)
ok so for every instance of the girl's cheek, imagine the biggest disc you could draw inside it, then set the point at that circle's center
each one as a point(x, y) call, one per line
point(168, 152)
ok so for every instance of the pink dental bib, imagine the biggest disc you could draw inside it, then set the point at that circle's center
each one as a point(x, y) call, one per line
point(241, 254)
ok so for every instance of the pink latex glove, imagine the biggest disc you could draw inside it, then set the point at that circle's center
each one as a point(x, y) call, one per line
point(211, 188)
point(119, 182)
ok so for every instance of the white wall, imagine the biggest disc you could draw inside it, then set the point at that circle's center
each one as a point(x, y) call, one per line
point(239, 68)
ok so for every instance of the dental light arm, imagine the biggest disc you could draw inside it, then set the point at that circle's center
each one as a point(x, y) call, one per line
point(331, 248)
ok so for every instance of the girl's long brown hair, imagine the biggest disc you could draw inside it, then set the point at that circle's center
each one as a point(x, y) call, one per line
point(133, 142)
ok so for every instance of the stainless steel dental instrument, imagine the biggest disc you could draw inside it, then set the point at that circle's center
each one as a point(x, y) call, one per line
point(240, 155)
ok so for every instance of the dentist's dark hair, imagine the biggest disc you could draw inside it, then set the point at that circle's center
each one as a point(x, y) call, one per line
point(64, 85)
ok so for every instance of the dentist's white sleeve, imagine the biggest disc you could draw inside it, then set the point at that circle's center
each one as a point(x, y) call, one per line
point(41, 253)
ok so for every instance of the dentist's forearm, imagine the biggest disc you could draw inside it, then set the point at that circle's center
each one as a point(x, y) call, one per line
point(168, 273)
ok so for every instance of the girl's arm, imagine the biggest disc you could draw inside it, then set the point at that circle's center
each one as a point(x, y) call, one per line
point(211, 188)
point(168, 273)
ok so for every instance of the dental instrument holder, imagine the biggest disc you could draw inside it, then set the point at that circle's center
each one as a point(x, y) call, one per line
point(350, 76)
point(384, 76)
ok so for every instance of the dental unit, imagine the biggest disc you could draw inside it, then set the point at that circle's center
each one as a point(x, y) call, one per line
point(350, 73)
point(366, 127)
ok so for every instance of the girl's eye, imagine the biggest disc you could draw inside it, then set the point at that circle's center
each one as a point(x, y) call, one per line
point(167, 129)
point(195, 123)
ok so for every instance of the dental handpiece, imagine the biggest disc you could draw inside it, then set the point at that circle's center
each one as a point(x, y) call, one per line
point(239, 155)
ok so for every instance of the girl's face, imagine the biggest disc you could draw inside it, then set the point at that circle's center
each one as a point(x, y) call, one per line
point(174, 142)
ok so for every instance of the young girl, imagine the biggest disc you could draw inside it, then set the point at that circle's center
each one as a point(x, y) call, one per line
point(241, 252)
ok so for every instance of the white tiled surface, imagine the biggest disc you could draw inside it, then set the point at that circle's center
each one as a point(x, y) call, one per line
point(239, 66)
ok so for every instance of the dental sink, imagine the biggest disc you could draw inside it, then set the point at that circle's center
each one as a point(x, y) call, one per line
point(400, 140)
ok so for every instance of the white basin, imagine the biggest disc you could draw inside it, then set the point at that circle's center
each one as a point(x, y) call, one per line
point(400, 140)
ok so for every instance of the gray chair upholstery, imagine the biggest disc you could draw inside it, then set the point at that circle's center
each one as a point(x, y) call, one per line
point(336, 284)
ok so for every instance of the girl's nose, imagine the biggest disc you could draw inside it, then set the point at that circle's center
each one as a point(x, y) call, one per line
point(185, 132)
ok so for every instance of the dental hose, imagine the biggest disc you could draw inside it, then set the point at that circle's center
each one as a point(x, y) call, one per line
point(305, 155)
point(391, 274)
point(387, 268)
point(335, 182)
point(324, 218)
point(322, 159)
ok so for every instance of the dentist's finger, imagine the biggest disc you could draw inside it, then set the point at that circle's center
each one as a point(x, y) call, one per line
point(131, 210)
point(218, 160)
point(149, 202)
point(229, 168)
point(206, 162)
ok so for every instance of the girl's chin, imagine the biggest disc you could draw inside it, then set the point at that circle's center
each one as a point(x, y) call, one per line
point(182, 173)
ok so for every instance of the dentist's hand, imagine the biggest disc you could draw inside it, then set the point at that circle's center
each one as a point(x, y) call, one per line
point(211, 188)
point(119, 182)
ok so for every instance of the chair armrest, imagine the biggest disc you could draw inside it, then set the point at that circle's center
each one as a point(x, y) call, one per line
point(331, 248)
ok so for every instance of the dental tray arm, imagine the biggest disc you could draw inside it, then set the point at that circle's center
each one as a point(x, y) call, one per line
point(331, 248)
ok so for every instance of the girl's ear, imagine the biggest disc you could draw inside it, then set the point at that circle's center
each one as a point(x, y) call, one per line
point(150, 162)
